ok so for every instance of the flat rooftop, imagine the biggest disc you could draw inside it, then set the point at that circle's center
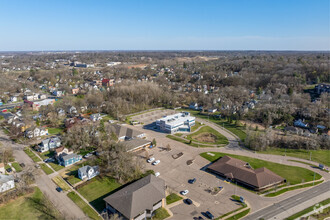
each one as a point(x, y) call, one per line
point(177, 118)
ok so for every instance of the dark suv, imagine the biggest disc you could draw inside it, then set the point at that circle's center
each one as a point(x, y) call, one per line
point(192, 181)
point(209, 215)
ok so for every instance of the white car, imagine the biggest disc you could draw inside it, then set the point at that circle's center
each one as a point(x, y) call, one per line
point(184, 192)
point(156, 162)
point(151, 159)
point(157, 174)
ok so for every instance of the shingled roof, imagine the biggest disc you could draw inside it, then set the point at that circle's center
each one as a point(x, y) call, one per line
point(137, 197)
point(122, 131)
point(239, 170)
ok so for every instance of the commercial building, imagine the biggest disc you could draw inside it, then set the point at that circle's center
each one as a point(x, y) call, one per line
point(180, 122)
point(138, 200)
point(241, 172)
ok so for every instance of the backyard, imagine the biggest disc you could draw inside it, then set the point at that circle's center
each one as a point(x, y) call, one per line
point(293, 175)
point(96, 189)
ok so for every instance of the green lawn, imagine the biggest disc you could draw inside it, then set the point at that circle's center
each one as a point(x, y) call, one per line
point(55, 131)
point(29, 207)
point(279, 192)
point(29, 152)
point(46, 169)
point(320, 156)
point(160, 214)
point(97, 189)
point(292, 174)
point(220, 139)
point(187, 142)
point(239, 215)
point(46, 155)
point(83, 206)
point(173, 197)
point(237, 130)
point(196, 126)
point(61, 183)
point(17, 167)
point(55, 166)
point(307, 210)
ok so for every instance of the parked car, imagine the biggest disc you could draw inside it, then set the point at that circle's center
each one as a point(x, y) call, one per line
point(198, 218)
point(188, 201)
point(49, 160)
point(9, 170)
point(59, 189)
point(209, 215)
point(192, 181)
point(156, 162)
point(184, 192)
point(151, 159)
point(157, 174)
point(22, 164)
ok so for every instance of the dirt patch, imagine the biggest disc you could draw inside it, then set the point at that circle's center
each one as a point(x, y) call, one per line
point(205, 137)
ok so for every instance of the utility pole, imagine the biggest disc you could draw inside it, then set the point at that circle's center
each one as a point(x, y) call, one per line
point(314, 179)
point(310, 156)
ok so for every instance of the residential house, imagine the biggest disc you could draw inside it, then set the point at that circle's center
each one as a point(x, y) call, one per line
point(48, 144)
point(13, 98)
point(58, 93)
point(138, 200)
point(88, 172)
point(212, 110)
point(300, 123)
point(6, 182)
point(61, 150)
point(95, 117)
point(108, 82)
point(42, 96)
point(193, 106)
point(75, 91)
point(68, 159)
point(72, 110)
point(242, 173)
point(43, 131)
point(36, 132)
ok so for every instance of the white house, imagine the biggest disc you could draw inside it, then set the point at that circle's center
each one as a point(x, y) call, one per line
point(13, 98)
point(88, 172)
point(48, 144)
point(6, 182)
point(95, 117)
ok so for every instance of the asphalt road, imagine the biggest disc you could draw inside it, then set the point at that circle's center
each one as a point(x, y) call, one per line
point(289, 203)
point(60, 200)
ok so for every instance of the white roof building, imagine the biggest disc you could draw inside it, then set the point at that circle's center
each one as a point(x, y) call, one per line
point(174, 123)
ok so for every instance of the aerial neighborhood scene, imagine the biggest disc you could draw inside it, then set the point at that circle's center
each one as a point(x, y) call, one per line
point(152, 110)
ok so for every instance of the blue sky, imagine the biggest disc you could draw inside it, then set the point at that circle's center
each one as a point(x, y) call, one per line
point(164, 25)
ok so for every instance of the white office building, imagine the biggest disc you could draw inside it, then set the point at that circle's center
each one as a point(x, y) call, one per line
point(180, 122)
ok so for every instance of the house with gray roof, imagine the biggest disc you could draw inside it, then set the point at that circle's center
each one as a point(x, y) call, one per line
point(6, 182)
point(48, 144)
point(88, 172)
point(138, 200)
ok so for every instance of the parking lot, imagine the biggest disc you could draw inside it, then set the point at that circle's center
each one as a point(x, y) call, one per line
point(176, 173)
point(150, 117)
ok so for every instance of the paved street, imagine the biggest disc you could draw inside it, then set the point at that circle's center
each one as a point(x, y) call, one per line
point(63, 203)
point(288, 206)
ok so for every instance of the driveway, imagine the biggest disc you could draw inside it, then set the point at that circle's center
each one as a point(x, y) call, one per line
point(61, 202)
